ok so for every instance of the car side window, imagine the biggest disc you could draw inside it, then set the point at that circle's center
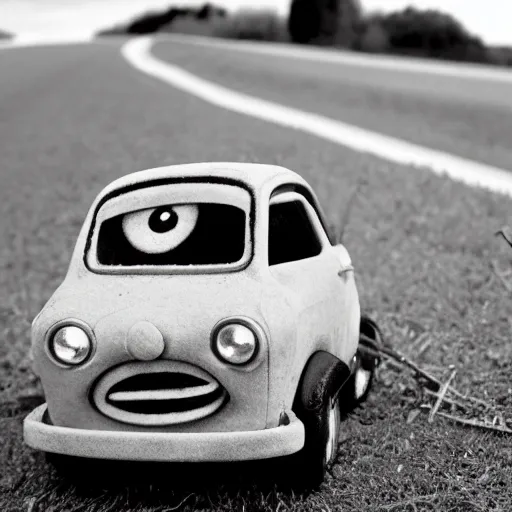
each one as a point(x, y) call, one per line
point(292, 235)
point(323, 229)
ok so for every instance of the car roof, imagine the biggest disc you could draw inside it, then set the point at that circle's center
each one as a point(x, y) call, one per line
point(254, 176)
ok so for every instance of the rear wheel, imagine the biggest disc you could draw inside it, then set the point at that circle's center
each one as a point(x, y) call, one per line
point(358, 386)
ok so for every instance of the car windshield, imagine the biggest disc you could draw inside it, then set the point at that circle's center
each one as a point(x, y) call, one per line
point(181, 225)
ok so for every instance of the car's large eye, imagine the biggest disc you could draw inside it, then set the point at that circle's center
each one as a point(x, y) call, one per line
point(159, 230)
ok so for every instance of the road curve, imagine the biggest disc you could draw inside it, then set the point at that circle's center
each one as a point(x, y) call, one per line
point(396, 64)
point(138, 53)
point(468, 118)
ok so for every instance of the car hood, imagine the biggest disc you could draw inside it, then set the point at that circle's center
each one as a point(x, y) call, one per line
point(186, 298)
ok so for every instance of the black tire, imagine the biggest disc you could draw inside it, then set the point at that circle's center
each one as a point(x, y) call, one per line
point(317, 406)
point(84, 470)
point(61, 463)
point(359, 384)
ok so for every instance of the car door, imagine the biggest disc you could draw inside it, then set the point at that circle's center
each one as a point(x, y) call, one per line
point(303, 261)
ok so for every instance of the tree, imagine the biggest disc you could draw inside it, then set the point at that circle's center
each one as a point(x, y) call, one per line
point(304, 20)
point(326, 22)
point(209, 11)
point(432, 33)
point(348, 16)
point(373, 38)
point(153, 22)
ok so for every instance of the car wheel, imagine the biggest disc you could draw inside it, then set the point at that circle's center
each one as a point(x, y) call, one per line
point(319, 410)
point(358, 386)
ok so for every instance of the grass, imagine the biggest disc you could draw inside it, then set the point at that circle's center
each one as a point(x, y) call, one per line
point(422, 246)
point(464, 117)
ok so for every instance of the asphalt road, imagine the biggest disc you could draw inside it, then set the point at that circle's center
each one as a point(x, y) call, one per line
point(465, 116)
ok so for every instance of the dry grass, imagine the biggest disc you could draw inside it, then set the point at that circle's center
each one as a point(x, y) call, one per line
point(438, 280)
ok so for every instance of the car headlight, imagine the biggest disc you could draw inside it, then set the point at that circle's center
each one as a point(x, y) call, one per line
point(235, 343)
point(70, 345)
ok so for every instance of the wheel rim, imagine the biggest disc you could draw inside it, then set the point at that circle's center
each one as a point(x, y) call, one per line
point(331, 448)
point(362, 382)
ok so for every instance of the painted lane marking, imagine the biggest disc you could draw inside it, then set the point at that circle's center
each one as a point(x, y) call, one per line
point(138, 53)
point(335, 56)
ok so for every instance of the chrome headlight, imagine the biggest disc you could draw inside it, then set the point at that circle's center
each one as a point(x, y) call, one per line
point(235, 343)
point(70, 345)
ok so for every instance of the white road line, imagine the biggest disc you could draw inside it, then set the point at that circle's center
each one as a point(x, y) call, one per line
point(363, 60)
point(138, 53)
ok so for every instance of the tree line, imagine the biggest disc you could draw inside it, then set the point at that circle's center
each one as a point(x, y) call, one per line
point(338, 23)
point(411, 31)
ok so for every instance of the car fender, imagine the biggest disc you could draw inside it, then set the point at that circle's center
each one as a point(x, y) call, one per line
point(322, 372)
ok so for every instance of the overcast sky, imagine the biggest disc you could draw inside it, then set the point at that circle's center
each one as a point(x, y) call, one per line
point(490, 19)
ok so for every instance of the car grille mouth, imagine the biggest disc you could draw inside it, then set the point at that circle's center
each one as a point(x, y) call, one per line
point(158, 393)
point(164, 392)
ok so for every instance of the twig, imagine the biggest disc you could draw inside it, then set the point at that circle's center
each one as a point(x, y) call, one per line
point(20, 270)
point(499, 424)
point(419, 371)
point(499, 418)
point(179, 504)
point(31, 503)
point(449, 401)
point(427, 498)
point(476, 423)
point(377, 354)
point(506, 233)
point(345, 217)
point(401, 359)
point(499, 275)
point(424, 347)
point(417, 341)
point(476, 401)
point(440, 397)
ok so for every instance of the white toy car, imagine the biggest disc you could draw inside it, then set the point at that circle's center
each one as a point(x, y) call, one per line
point(206, 316)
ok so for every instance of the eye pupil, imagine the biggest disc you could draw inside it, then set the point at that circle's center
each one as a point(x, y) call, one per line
point(163, 219)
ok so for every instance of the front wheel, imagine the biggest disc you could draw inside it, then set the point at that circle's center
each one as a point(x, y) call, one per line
point(318, 407)
point(333, 432)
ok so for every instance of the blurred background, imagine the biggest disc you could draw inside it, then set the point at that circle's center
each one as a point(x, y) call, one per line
point(446, 29)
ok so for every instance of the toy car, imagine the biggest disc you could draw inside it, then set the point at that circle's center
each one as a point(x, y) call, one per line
point(206, 315)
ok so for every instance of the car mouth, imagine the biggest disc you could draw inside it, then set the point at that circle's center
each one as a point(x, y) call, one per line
point(158, 393)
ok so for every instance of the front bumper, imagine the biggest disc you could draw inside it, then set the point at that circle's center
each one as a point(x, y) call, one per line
point(158, 446)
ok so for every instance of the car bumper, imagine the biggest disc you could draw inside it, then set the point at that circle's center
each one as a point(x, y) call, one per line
point(157, 446)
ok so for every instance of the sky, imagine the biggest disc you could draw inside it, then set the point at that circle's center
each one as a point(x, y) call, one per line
point(489, 19)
